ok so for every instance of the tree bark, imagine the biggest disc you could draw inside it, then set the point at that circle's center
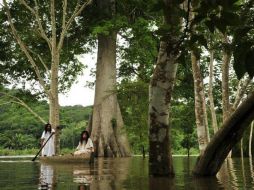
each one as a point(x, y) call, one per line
point(200, 105)
point(250, 140)
point(160, 92)
point(228, 135)
point(210, 94)
point(225, 79)
point(161, 86)
point(107, 124)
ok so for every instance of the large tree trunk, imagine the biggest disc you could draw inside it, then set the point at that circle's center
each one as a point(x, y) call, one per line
point(228, 135)
point(161, 87)
point(210, 93)
point(107, 124)
point(200, 104)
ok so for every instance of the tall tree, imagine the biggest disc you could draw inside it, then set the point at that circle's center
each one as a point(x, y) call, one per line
point(200, 103)
point(229, 134)
point(50, 29)
point(225, 77)
point(161, 87)
point(107, 124)
point(232, 129)
point(210, 92)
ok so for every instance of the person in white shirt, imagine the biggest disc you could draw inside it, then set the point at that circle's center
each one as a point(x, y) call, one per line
point(49, 148)
point(85, 144)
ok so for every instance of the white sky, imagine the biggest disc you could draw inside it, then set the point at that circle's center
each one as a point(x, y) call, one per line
point(79, 94)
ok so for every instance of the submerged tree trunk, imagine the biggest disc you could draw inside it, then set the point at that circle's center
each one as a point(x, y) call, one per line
point(160, 92)
point(228, 135)
point(107, 125)
point(200, 105)
point(210, 93)
point(161, 86)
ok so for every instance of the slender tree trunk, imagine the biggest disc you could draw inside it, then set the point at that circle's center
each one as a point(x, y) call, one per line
point(241, 148)
point(53, 96)
point(250, 140)
point(225, 79)
point(242, 164)
point(228, 135)
point(241, 90)
point(251, 168)
point(107, 124)
point(210, 93)
point(200, 105)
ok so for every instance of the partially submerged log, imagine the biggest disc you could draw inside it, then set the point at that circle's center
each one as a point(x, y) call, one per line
point(67, 159)
point(210, 162)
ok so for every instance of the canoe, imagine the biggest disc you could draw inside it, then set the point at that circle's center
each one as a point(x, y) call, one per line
point(67, 159)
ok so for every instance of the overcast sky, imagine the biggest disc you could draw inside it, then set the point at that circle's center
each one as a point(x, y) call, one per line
point(79, 94)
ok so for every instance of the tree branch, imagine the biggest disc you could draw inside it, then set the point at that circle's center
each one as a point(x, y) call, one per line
point(78, 9)
point(22, 103)
point(41, 60)
point(242, 85)
point(35, 12)
point(5, 103)
point(25, 49)
point(64, 14)
point(53, 23)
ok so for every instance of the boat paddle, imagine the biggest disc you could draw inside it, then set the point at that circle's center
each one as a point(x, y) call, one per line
point(42, 147)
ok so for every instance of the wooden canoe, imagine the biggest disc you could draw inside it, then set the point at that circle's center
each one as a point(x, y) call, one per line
point(67, 159)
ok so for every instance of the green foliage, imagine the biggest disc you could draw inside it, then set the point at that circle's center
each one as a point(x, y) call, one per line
point(14, 63)
point(243, 42)
point(20, 130)
point(133, 101)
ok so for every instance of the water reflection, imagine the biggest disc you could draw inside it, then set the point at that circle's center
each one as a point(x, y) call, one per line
point(121, 174)
point(46, 177)
point(83, 177)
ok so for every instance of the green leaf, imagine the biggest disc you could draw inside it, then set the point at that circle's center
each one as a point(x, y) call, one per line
point(197, 38)
point(158, 6)
point(222, 27)
point(210, 25)
point(249, 63)
point(163, 30)
point(230, 18)
point(239, 58)
point(178, 2)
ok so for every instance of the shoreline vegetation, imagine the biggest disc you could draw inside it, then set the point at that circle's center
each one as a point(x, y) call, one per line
point(33, 151)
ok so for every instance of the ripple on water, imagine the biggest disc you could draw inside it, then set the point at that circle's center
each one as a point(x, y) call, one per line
point(119, 174)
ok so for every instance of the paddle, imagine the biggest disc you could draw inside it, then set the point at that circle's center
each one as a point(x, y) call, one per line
point(42, 147)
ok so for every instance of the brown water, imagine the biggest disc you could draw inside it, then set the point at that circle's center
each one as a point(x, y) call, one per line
point(119, 174)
